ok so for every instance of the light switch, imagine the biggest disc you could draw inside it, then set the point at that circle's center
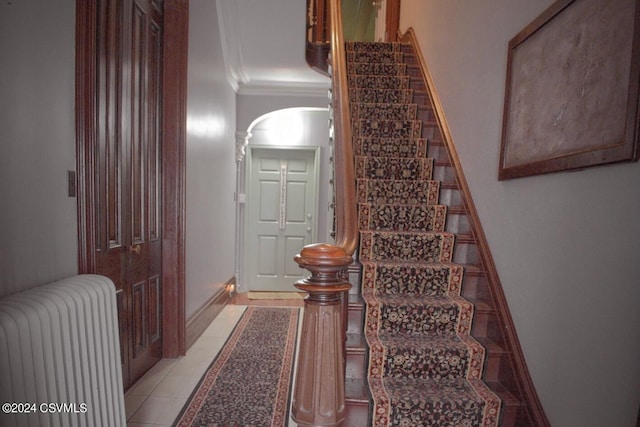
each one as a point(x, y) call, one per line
point(71, 183)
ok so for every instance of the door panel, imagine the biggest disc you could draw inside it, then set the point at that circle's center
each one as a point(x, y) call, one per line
point(128, 176)
point(281, 215)
point(292, 247)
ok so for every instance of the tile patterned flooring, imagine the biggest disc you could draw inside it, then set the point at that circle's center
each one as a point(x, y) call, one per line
point(158, 397)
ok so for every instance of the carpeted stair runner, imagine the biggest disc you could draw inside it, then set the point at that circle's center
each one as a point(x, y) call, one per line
point(424, 367)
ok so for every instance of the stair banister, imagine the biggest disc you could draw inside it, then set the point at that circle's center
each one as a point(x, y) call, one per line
point(319, 394)
point(345, 188)
point(318, 42)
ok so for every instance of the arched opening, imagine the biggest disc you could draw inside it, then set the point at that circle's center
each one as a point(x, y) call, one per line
point(279, 208)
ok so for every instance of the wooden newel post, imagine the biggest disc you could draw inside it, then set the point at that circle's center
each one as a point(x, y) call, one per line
point(318, 399)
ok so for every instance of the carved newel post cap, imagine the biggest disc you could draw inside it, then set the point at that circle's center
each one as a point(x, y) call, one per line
point(323, 254)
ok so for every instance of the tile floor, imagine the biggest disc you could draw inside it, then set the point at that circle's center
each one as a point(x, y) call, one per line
point(158, 397)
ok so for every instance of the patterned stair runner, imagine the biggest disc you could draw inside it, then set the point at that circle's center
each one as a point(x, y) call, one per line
point(424, 369)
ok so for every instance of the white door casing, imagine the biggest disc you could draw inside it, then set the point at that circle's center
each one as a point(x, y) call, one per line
point(281, 214)
point(380, 7)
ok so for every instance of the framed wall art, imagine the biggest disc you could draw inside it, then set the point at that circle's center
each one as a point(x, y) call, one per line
point(571, 98)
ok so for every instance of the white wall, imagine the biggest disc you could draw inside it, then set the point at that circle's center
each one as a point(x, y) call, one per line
point(210, 246)
point(38, 225)
point(251, 107)
point(566, 245)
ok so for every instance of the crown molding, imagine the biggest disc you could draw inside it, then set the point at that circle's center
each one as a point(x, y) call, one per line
point(284, 88)
point(230, 39)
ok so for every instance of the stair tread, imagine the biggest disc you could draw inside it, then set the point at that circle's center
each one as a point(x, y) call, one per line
point(416, 264)
point(425, 341)
point(418, 300)
point(425, 388)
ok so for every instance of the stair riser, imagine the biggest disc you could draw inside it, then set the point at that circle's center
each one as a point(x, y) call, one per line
point(426, 115)
point(356, 415)
point(437, 152)
point(485, 324)
point(356, 365)
point(355, 319)
point(458, 224)
point(430, 133)
point(492, 368)
point(466, 253)
point(353, 276)
point(450, 197)
point(475, 286)
point(444, 174)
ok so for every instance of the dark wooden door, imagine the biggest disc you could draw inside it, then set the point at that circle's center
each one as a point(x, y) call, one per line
point(127, 173)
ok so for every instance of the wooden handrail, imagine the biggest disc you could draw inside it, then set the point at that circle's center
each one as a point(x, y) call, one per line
point(326, 52)
point(345, 182)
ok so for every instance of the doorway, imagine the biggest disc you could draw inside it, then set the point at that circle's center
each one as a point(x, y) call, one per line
point(130, 97)
point(281, 214)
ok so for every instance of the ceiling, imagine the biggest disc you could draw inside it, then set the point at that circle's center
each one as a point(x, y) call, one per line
point(263, 43)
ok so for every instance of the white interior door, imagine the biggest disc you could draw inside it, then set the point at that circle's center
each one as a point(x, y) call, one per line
point(281, 207)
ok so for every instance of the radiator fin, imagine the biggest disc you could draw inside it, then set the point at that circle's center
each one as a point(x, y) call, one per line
point(59, 345)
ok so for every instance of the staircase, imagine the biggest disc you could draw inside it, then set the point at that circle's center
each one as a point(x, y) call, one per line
point(424, 346)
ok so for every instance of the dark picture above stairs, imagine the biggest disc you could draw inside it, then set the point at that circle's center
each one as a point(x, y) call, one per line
point(424, 337)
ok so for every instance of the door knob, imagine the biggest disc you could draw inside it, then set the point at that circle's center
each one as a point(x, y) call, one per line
point(135, 249)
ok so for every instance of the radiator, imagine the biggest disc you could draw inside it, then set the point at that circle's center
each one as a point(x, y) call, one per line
point(60, 355)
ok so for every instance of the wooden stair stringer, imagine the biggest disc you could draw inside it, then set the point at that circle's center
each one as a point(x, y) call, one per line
point(507, 373)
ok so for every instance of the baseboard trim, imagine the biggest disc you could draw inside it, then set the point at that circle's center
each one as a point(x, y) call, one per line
point(197, 323)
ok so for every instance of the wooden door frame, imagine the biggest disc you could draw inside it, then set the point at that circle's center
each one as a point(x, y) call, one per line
point(174, 91)
point(393, 20)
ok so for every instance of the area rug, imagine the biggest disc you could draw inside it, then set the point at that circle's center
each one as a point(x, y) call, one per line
point(249, 381)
